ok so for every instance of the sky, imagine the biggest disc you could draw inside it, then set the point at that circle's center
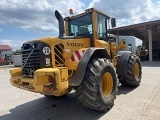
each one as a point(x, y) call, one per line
point(24, 20)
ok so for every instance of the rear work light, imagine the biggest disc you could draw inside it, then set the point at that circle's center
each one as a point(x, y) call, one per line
point(51, 79)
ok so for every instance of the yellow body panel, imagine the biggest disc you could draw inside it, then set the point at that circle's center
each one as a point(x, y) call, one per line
point(103, 44)
point(70, 46)
point(45, 40)
point(40, 83)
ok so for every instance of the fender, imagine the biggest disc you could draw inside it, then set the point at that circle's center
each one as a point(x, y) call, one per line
point(78, 74)
point(123, 57)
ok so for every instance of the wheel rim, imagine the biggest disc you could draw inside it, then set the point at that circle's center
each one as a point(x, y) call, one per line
point(136, 70)
point(107, 84)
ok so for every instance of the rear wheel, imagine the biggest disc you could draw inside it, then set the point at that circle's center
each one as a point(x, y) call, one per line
point(98, 89)
point(134, 72)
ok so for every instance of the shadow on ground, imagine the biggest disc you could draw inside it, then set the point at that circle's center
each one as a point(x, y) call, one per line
point(124, 90)
point(63, 108)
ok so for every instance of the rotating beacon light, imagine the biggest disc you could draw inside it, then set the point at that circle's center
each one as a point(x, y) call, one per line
point(71, 12)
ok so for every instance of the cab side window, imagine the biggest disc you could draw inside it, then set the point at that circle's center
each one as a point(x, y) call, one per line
point(102, 30)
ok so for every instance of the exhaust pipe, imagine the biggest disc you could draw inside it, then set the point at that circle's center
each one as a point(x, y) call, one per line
point(61, 24)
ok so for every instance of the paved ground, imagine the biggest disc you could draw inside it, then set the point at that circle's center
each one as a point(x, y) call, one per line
point(141, 103)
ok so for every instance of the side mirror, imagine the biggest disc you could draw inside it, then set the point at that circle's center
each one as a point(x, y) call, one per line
point(113, 22)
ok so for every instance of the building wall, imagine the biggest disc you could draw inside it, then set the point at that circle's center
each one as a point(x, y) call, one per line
point(130, 40)
point(2, 54)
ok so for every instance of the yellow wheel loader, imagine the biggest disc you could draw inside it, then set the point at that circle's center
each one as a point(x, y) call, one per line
point(81, 58)
point(142, 53)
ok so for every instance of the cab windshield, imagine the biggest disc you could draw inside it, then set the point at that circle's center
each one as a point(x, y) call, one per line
point(81, 26)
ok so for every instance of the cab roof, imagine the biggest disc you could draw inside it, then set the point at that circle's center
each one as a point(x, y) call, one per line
point(90, 10)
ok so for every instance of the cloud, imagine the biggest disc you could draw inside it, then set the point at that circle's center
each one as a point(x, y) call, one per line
point(13, 43)
point(129, 11)
point(1, 29)
point(36, 14)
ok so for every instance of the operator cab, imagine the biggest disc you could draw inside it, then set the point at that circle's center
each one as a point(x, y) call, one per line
point(90, 23)
point(80, 26)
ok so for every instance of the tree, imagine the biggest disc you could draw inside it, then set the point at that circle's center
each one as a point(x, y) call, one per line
point(16, 52)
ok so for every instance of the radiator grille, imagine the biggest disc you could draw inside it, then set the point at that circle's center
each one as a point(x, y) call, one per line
point(30, 60)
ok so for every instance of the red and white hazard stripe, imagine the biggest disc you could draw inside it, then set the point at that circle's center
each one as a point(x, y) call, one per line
point(77, 55)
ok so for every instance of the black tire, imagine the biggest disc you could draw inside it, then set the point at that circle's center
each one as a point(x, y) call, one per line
point(92, 92)
point(133, 76)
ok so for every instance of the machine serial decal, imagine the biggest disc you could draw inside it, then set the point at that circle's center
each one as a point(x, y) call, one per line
point(46, 50)
point(67, 50)
point(48, 63)
point(75, 44)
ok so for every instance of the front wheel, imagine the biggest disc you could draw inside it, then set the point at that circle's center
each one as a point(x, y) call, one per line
point(133, 73)
point(99, 86)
